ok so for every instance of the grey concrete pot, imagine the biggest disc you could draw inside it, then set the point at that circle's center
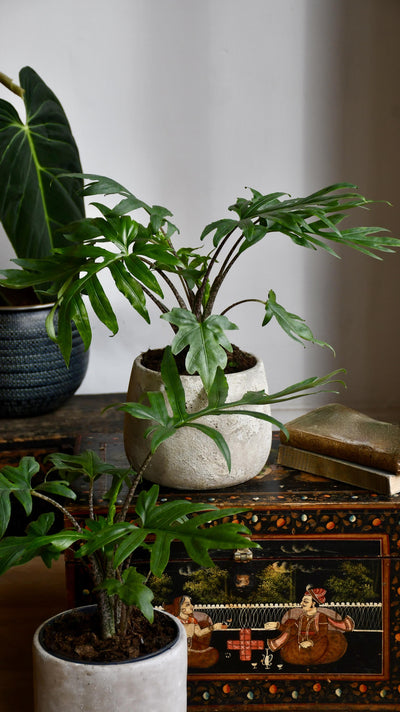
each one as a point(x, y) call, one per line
point(189, 459)
point(154, 683)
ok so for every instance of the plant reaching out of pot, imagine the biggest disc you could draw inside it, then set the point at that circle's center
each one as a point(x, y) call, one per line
point(143, 262)
point(108, 543)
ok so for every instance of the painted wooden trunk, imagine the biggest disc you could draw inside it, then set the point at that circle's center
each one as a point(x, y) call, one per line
point(311, 618)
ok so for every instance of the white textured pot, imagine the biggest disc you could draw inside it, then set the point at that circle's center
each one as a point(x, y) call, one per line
point(189, 459)
point(155, 683)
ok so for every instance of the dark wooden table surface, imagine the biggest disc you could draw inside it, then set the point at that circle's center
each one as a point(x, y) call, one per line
point(82, 413)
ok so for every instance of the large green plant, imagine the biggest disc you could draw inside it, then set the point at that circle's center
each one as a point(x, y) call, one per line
point(36, 199)
point(144, 262)
point(107, 542)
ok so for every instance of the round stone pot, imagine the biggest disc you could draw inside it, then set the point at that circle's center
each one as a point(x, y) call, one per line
point(189, 459)
point(153, 683)
point(33, 376)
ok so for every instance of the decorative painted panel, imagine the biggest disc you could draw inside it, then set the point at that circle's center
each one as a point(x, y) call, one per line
point(311, 619)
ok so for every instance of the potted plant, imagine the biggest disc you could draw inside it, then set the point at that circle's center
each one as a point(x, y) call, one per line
point(36, 201)
point(144, 263)
point(111, 658)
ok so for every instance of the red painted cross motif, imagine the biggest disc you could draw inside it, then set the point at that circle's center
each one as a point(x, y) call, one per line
point(245, 644)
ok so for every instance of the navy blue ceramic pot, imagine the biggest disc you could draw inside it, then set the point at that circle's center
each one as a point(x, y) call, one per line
point(33, 376)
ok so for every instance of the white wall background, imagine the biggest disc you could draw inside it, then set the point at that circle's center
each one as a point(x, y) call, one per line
point(187, 102)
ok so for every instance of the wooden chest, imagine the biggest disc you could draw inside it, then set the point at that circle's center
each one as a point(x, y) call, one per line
point(266, 647)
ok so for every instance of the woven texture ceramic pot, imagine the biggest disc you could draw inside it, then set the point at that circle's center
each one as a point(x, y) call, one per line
point(154, 683)
point(189, 459)
point(33, 376)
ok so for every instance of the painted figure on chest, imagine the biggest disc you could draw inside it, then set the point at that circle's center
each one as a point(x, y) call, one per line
point(310, 634)
point(198, 631)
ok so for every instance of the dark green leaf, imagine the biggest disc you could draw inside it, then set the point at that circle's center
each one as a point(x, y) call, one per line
point(130, 288)
point(160, 553)
point(5, 505)
point(101, 304)
point(17, 550)
point(88, 464)
point(173, 384)
point(141, 271)
point(128, 546)
point(221, 228)
point(132, 591)
point(59, 488)
point(162, 433)
point(42, 525)
point(16, 481)
point(36, 200)
point(206, 340)
point(108, 534)
point(218, 392)
point(292, 324)
point(146, 502)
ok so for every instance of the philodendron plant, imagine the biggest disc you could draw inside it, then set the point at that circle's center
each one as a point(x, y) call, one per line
point(108, 542)
point(144, 261)
point(36, 198)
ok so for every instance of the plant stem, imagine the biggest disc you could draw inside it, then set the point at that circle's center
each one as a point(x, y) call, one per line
point(8, 82)
point(106, 612)
point(172, 288)
point(104, 603)
point(160, 304)
point(202, 288)
point(227, 265)
point(216, 285)
point(128, 499)
point(59, 506)
point(188, 292)
point(242, 301)
point(91, 499)
point(163, 309)
point(106, 615)
point(123, 621)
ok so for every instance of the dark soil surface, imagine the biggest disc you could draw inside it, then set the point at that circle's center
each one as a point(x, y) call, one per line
point(76, 636)
point(238, 360)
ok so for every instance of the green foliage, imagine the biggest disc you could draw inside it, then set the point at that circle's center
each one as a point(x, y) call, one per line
point(206, 341)
point(17, 550)
point(164, 523)
point(37, 199)
point(163, 425)
point(143, 262)
point(154, 526)
point(292, 324)
point(132, 590)
point(17, 481)
point(108, 543)
point(311, 221)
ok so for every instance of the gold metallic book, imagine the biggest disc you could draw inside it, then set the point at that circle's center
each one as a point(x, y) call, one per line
point(336, 469)
point(344, 433)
